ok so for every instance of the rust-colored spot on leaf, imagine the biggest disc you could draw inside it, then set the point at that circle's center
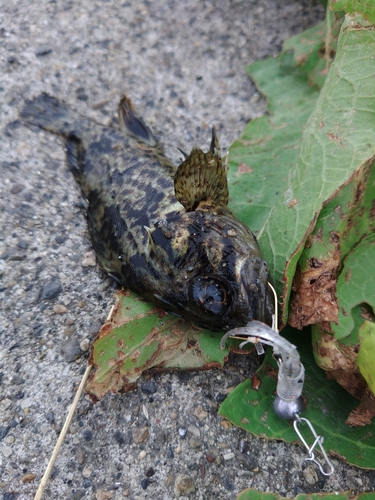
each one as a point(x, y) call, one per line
point(255, 382)
point(244, 169)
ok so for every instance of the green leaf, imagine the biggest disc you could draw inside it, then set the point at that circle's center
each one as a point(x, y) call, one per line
point(251, 494)
point(355, 285)
point(311, 52)
point(327, 406)
point(260, 160)
point(364, 7)
point(338, 141)
point(139, 336)
point(365, 358)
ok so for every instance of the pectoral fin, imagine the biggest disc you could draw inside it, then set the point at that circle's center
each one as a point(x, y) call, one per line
point(202, 178)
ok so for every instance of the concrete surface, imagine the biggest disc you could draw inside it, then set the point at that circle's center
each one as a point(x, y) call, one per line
point(183, 64)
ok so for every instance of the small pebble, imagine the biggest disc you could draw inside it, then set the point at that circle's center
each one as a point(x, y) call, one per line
point(22, 244)
point(84, 345)
point(86, 472)
point(6, 451)
point(140, 435)
point(310, 475)
point(150, 472)
point(228, 483)
point(149, 388)
point(9, 439)
point(51, 290)
point(17, 188)
point(28, 477)
point(86, 483)
point(43, 51)
point(145, 482)
point(103, 495)
point(182, 431)
point(183, 485)
point(142, 455)
point(59, 309)
point(89, 260)
point(71, 350)
point(200, 413)
point(229, 456)
point(87, 434)
point(4, 431)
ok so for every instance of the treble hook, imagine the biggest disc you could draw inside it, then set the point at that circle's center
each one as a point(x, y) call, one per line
point(318, 440)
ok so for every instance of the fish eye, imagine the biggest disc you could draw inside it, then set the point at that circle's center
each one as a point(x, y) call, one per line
point(209, 296)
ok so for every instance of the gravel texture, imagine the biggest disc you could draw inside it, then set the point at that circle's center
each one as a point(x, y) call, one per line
point(183, 64)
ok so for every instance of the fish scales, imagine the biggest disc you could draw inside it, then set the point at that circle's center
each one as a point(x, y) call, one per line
point(164, 232)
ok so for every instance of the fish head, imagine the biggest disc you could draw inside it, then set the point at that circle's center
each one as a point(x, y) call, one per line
point(227, 286)
point(226, 278)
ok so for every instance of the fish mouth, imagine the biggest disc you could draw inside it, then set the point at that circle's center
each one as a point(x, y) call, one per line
point(256, 291)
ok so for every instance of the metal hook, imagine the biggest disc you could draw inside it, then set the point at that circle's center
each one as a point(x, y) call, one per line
point(318, 440)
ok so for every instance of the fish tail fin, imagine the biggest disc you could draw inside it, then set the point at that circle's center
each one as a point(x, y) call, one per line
point(133, 124)
point(49, 114)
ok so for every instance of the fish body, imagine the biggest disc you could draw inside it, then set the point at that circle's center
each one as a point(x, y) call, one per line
point(164, 232)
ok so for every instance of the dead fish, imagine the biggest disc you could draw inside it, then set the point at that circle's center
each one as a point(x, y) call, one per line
point(164, 232)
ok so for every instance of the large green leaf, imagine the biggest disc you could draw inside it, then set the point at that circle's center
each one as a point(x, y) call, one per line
point(139, 336)
point(260, 160)
point(327, 406)
point(311, 52)
point(251, 494)
point(338, 141)
point(364, 7)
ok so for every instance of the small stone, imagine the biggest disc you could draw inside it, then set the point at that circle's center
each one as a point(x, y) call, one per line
point(71, 350)
point(310, 475)
point(22, 244)
point(226, 424)
point(183, 485)
point(6, 451)
point(142, 455)
point(173, 415)
point(4, 431)
point(81, 456)
point(200, 413)
point(86, 483)
point(43, 51)
point(229, 456)
point(86, 472)
point(150, 472)
point(228, 483)
point(59, 309)
point(27, 478)
point(195, 443)
point(170, 453)
point(87, 434)
point(82, 304)
point(103, 495)
point(17, 188)
point(84, 345)
point(140, 435)
point(51, 290)
point(145, 482)
point(182, 431)
point(178, 450)
point(89, 260)
point(149, 388)
point(9, 439)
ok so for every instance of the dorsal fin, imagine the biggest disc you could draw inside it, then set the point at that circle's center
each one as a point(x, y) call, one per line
point(202, 178)
point(133, 124)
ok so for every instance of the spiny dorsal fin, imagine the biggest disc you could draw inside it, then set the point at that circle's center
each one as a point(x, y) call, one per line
point(202, 178)
point(133, 124)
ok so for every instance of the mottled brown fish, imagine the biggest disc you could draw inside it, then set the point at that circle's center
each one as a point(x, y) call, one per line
point(164, 233)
